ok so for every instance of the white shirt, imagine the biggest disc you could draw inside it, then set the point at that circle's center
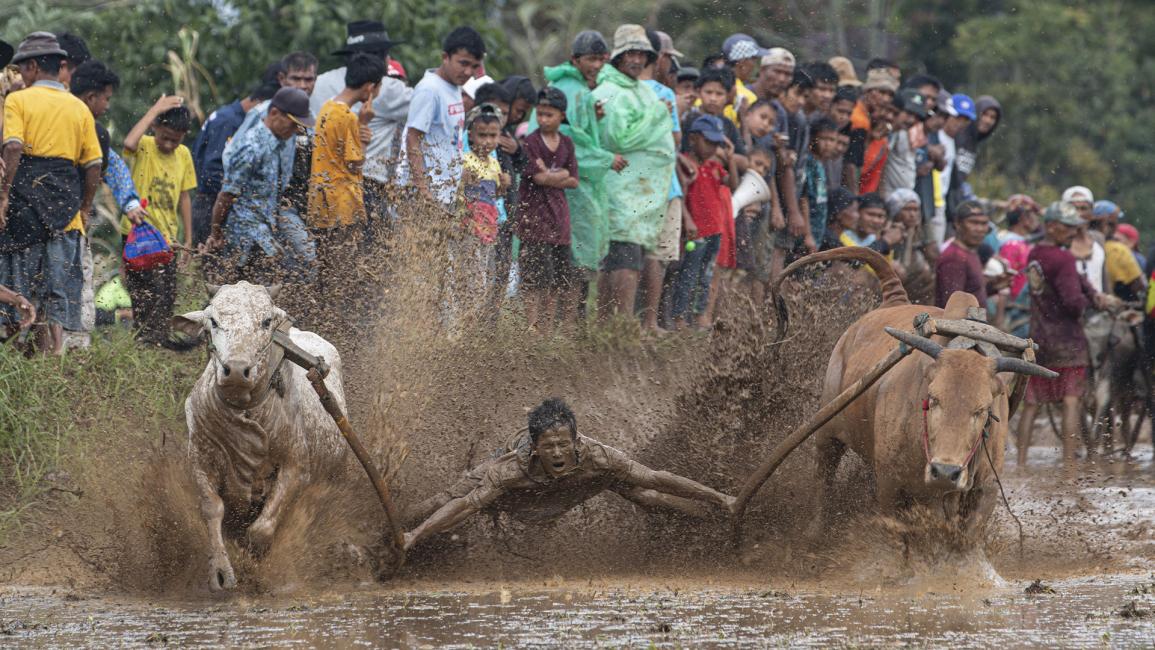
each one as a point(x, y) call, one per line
point(390, 110)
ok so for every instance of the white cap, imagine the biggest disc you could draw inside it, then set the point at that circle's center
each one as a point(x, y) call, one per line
point(1077, 193)
point(778, 56)
point(473, 84)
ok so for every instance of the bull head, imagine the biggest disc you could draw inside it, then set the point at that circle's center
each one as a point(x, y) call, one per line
point(963, 398)
point(239, 322)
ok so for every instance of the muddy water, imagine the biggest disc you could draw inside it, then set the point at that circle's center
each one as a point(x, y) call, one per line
point(1082, 613)
point(1090, 541)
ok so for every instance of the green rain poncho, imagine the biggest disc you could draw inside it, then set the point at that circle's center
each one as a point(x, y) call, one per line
point(588, 217)
point(638, 126)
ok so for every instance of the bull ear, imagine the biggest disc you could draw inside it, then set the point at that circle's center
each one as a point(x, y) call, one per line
point(192, 323)
point(920, 343)
point(1011, 364)
point(212, 289)
point(274, 290)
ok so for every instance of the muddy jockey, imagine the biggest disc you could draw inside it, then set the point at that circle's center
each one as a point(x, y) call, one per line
point(548, 471)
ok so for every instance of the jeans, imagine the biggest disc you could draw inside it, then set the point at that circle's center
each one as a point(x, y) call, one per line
point(692, 286)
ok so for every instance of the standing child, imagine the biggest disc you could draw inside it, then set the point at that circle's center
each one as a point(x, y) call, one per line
point(708, 202)
point(481, 183)
point(162, 170)
point(337, 213)
point(542, 222)
point(823, 148)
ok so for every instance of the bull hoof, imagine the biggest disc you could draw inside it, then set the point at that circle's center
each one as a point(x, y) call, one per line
point(221, 576)
point(260, 534)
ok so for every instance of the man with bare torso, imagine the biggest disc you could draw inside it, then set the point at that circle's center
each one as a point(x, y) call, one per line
point(549, 471)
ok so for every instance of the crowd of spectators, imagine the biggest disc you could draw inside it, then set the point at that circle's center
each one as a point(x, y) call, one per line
point(658, 187)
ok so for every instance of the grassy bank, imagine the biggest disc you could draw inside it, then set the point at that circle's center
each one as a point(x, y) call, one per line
point(51, 406)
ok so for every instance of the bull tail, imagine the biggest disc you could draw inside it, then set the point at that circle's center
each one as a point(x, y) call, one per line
point(893, 293)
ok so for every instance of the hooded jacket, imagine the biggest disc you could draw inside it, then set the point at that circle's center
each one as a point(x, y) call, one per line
point(969, 140)
point(589, 220)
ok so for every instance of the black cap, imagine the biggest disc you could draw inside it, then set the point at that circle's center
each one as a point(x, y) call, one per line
point(366, 36)
point(840, 199)
point(688, 74)
point(911, 101)
point(294, 103)
point(551, 96)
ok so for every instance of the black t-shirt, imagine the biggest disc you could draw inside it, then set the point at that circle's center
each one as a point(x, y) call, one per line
point(297, 191)
point(856, 153)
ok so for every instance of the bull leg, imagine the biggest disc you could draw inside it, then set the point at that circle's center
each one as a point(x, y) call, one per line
point(291, 478)
point(221, 575)
point(652, 500)
point(830, 451)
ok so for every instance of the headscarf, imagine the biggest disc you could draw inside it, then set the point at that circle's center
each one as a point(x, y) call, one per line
point(898, 200)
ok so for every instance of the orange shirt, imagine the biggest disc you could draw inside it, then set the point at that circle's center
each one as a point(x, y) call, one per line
point(860, 117)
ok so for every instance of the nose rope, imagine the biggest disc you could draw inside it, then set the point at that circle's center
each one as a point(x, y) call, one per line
point(991, 417)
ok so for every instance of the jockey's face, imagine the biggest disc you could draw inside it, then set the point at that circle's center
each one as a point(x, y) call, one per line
point(555, 451)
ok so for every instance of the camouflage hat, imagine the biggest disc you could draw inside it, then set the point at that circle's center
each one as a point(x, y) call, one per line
point(1064, 213)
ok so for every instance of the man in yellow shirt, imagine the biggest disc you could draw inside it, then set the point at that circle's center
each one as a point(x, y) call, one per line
point(1124, 277)
point(163, 172)
point(48, 136)
point(337, 213)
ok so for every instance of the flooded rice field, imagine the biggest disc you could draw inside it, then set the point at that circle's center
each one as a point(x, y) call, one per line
point(1085, 580)
point(1082, 612)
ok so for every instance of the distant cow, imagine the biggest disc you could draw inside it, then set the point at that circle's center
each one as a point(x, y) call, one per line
point(922, 424)
point(251, 415)
point(1113, 342)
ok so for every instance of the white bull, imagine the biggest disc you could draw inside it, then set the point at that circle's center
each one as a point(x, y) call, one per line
point(250, 415)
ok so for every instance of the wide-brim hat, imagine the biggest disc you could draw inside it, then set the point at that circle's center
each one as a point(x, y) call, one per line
point(366, 36)
point(628, 38)
point(35, 45)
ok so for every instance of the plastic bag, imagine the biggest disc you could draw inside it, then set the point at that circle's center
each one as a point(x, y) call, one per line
point(146, 249)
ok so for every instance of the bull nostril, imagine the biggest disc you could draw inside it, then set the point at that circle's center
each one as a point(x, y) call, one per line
point(955, 474)
point(247, 371)
point(227, 370)
point(934, 471)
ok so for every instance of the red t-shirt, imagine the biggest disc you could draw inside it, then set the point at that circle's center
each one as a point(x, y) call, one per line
point(543, 214)
point(708, 204)
point(959, 269)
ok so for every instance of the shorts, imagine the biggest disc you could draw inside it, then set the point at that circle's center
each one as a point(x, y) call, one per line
point(1071, 382)
point(623, 256)
point(546, 266)
point(670, 237)
point(63, 297)
point(754, 243)
point(20, 272)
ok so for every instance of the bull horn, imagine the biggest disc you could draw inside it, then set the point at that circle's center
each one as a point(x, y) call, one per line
point(273, 290)
point(1011, 364)
point(920, 343)
point(212, 289)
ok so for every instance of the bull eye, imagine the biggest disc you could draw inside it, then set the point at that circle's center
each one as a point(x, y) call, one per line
point(213, 322)
point(265, 324)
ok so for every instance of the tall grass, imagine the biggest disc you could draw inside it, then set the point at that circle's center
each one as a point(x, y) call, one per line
point(50, 406)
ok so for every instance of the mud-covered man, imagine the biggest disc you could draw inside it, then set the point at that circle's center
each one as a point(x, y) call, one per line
point(549, 471)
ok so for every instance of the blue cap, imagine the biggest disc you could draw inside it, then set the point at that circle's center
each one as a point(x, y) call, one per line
point(1105, 208)
point(710, 126)
point(963, 106)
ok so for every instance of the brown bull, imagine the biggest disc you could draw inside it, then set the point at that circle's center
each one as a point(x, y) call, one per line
point(922, 425)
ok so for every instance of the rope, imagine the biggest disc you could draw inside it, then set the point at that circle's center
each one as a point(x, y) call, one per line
point(1006, 503)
